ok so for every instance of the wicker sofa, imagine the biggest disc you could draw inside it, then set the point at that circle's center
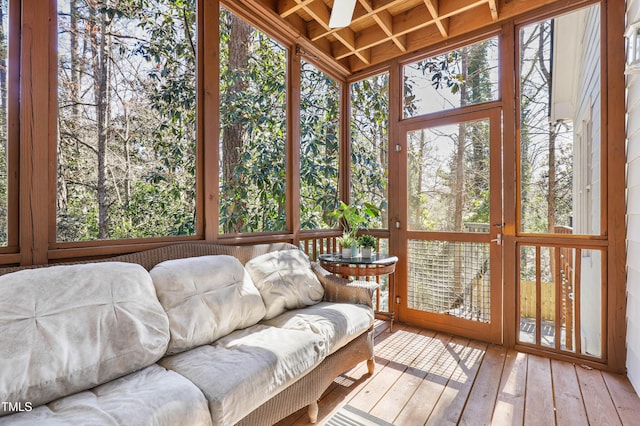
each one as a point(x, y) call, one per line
point(184, 334)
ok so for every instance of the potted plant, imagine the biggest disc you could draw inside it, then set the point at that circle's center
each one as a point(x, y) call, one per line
point(349, 245)
point(352, 217)
point(367, 243)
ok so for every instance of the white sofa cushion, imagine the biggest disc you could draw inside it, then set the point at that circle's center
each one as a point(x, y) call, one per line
point(205, 297)
point(70, 328)
point(336, 323)
point(285, 280)
point(241, 371)
point(152, 396)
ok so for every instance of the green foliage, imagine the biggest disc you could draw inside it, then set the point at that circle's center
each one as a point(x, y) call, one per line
point(253, 104)
point(319, 147)
point(367, 241)
point(369, 144)
point(354, 217)
point(347, 240)
point(150, 106)
point(448, 190)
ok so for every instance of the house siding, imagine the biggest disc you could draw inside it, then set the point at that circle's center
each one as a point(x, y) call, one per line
point(587, 167)
point(633, 216)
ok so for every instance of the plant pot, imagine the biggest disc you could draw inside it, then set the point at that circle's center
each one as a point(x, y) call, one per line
point(354, 251)
point(346, 252)
point(366, 251)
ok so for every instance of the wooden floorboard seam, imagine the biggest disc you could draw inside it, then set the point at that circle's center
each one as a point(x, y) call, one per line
point(412, 408)
point(385, 406)
point(510, 399)
point(424, 377)
point(474, 416)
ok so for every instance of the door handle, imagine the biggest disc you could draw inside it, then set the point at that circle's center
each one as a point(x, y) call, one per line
point(497, 239)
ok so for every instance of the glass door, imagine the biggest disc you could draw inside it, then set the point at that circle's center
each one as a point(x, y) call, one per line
point(453, 233)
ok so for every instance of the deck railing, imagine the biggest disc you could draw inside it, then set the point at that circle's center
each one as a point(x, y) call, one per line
point(316, 244)
point(566, 274)
point(551, 298)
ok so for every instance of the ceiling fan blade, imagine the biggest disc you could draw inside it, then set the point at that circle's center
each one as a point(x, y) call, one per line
point(342, 13)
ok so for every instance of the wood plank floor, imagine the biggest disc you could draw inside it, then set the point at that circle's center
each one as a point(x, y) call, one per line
point(424, 377)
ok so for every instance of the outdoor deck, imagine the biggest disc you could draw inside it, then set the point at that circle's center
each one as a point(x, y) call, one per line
point(427, 377)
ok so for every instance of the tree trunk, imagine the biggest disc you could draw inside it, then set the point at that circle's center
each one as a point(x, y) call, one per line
point(551, 190)
point(100, 52)
point(62, 193)
point(75, 63)
point(233, 134)
point(459, 189)
point(551, 194)
point(417, 213)
point(384, 164)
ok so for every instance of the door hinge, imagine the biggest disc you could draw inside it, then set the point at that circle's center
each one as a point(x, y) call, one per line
point(397, 224)
point(398, 147)
point(397, 300)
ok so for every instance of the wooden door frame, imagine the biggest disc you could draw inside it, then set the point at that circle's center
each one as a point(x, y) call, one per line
point(491, 332)
point(613, 209)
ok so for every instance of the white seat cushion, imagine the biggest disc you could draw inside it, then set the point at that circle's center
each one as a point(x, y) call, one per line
point(336, 323)
point(243, 370)
point(153, 396)
point(69, 328)
point(285, 280)
point(205, 297)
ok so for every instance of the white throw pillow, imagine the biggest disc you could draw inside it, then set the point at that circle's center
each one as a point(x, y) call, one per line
point(285, 281)
point(205, 297)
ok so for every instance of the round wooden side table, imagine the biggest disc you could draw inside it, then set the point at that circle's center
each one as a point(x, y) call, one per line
point(377, 265)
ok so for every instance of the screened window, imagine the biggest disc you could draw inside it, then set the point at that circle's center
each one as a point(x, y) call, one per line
point(319, 145)
point(449, 177)
point(560, 116)
point(253, 123)
point(126, 116)
point(370, 144)
point(466, 76)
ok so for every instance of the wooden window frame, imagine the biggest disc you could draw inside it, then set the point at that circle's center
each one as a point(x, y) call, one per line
point(10, 252)
point(32, 178)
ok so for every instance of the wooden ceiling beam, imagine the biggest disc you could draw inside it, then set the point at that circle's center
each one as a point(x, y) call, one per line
point(366, 5)
point(428, 36)
point(319, 11)
point(364, 56)
point(297, 22)
point(400, 26)
point(450, 8)
point(347, 38)
point(493, 7)
point(372, 36)
point(432, 6)
point(385, 21)
point(324, 46)
point(315, 32)
point(362, 60)
point(321, 50)
point(384, 29)
point(414, 20)
point(290, 7)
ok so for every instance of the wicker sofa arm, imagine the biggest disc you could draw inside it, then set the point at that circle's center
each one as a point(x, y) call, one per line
point(341, 290)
